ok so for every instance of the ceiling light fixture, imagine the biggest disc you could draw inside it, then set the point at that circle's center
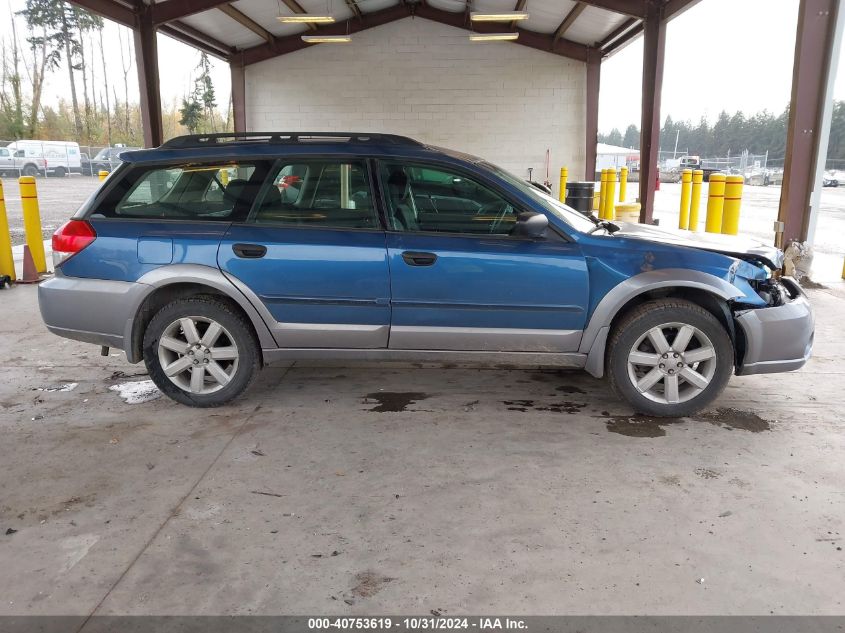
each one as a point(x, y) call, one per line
point(304, 18)
point(493, 37)
point(503, 16)
point(326, 39)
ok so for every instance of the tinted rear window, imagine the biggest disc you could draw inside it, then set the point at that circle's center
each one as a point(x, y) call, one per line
point(219, 191)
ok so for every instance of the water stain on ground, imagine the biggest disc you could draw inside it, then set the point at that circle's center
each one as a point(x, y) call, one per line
point(735, 419)
point(639, 425)
point(566, 406)
point(707, 473)
point(648, 426)
point(369, 584)
point(570, 389)
point(393, 401)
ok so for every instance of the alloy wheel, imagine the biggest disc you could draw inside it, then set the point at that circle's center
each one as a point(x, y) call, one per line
point(672, 363)
point(198, 355)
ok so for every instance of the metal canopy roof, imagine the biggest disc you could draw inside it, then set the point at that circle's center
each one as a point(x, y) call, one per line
point(248, 31)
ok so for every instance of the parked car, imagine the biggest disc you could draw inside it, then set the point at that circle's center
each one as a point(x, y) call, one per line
point(829, 180)
point(378, 247)
point(16, 163)
point(61, 157)
point(108, 158)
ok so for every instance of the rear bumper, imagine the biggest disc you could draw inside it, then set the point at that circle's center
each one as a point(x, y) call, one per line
point(98, 311)
point(778, 338)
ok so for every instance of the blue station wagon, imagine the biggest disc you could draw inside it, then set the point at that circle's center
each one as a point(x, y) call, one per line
point(212, 256)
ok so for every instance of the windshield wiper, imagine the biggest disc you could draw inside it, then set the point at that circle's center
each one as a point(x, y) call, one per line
point(610, 227)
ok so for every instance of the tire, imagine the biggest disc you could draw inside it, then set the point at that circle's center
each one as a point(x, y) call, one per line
point(59, 172)
point(224, 374)
point(31, 170)
point(690, 378)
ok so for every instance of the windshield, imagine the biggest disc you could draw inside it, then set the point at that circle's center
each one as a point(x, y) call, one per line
point(569, 215)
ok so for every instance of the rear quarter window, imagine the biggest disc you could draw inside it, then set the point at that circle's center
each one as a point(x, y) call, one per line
point(206, 192)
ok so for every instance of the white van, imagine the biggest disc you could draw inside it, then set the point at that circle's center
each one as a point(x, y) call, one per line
point(62, 157)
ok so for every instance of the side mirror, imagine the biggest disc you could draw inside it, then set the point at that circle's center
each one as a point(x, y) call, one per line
point(529, 224)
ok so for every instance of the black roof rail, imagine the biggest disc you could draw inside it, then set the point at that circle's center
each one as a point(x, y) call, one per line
point(280, 138)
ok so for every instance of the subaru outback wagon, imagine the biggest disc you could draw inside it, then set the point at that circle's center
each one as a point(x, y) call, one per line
point(212, 256)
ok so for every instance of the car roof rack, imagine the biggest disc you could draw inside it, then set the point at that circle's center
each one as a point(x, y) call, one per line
point(283, 138)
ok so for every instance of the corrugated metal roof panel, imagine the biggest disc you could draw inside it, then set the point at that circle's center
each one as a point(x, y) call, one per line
point(221, 27)
point(593, 25)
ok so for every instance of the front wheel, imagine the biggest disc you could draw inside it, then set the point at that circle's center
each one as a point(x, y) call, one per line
point(200, 351)
point(669, 358)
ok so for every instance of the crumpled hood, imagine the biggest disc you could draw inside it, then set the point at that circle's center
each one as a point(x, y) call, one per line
point(733, 245)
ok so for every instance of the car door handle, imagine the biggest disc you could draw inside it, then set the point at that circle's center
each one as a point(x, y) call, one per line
point(249, 251)
point(413, 258)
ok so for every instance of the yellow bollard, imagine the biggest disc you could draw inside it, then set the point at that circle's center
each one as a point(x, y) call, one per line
point(224, 177)
point(623, 184)
point(7, 262)
point(733, 200)
point(715, 203)
point(686, 192)
point(609, 212)
point(602, 193)
point(695, 198)
point(596, 197)
point(564, 175)
point(103, 174)
point(32, 222)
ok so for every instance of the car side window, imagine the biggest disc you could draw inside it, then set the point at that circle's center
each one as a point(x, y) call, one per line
point(4, 153)
point(320, 194)
point(190, 191)
point(426, 198)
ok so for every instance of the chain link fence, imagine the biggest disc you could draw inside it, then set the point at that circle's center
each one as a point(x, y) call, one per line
point(41, 158)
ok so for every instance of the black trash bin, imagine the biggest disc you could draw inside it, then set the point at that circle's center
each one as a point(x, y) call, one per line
point(579, 196)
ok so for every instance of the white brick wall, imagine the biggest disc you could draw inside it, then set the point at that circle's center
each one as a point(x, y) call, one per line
point(504, 102)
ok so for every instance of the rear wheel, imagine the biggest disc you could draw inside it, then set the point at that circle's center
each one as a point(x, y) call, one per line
point(669, 358)
point(30, 170)
point(200, 351)
point(59, 172)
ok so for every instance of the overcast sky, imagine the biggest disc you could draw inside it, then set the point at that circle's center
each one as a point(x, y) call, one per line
point(721, 54)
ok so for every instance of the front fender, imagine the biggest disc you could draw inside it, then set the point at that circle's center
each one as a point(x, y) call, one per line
point(594, 340)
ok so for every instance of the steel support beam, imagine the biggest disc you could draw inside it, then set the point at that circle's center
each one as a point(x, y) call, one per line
point(632, 8)
point(146, 59)
point(246, 21)
point(236, 68)
point(592, 100)
point(110, 10)
point(295, 7)
point(577, 10)
point(199, 40)
point(811, 89)
point(170, 10)
point(654, 49)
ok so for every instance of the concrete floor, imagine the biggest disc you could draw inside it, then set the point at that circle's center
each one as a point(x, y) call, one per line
point(401, 490)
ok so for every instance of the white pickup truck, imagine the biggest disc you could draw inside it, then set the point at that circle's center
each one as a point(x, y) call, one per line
point(15, 162)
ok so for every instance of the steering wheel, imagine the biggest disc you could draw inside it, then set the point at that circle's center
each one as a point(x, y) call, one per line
point(501, 209)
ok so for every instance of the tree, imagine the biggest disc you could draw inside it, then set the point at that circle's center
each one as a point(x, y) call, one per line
point(191, 112)
point(632, 137)
point(204, 89)
point(615, 137)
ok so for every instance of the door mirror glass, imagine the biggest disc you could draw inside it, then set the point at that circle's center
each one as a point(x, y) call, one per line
point(529, 224)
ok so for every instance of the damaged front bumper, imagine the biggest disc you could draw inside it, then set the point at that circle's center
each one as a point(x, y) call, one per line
point(777, 338)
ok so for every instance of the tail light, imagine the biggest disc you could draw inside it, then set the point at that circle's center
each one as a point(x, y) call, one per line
point(70, 238)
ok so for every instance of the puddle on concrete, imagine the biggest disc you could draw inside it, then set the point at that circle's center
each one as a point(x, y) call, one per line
point(735, 419)
point(647, 426)
point(394, 401)
point(566, 406)
point(570, 389)
point(639, 425)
